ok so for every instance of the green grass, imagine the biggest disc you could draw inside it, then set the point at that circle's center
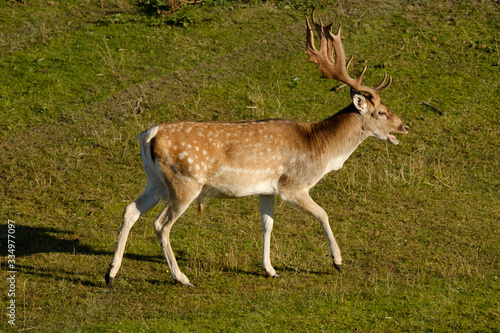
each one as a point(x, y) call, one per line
point(418, 224)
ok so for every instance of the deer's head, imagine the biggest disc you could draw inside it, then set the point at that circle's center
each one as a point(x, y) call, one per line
point(378, 120)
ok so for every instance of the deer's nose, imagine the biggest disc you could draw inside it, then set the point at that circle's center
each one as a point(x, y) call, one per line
point(405, 127)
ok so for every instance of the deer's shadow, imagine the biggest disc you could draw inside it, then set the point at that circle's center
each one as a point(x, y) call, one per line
point(28, 240)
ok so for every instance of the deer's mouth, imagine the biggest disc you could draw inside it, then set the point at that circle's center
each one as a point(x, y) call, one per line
point(392, 139)
point(402, 129)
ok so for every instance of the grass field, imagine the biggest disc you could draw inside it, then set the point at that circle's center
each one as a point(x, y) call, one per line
point(418, 223)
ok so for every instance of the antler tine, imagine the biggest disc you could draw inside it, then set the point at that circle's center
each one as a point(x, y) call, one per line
point(380, 85)
point(360, 78)
point(309, 40)
point(380, 88)
point(312, 16)
point(349, 62)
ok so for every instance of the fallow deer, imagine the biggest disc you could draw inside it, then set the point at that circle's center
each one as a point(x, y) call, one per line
point(187, 161)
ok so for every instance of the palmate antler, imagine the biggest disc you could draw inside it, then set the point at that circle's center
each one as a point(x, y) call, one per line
point(337, 68)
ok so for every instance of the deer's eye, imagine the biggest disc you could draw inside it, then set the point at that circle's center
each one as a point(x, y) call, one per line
point(383, 114)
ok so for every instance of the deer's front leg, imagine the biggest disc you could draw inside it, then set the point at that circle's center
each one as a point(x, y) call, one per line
point(302, 200)
point(266, 216)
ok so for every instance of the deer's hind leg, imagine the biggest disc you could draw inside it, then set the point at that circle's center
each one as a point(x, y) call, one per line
point(151, 196)
point(181, 197)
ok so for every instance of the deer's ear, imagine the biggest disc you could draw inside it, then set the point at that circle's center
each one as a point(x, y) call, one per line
point(360, 103)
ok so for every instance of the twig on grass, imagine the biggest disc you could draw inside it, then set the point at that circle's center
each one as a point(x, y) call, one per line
point(138, 106)
point(441, 113)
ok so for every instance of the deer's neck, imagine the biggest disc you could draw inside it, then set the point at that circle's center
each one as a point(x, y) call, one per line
point(334, 139)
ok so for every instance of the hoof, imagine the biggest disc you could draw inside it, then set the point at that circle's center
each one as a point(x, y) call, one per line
point(277, 276)
point(109, 280)
point(189, 284)
point(337, 267)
